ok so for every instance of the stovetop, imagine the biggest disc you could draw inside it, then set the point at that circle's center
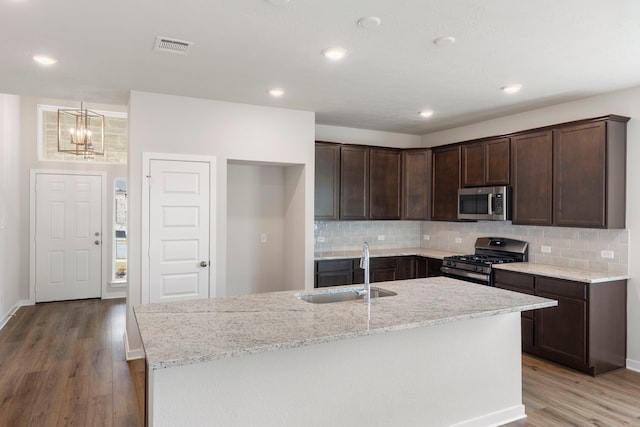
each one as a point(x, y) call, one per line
point(482, 259)
point(489, 250)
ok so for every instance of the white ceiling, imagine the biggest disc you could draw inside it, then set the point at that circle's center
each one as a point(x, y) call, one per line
point(558, 50)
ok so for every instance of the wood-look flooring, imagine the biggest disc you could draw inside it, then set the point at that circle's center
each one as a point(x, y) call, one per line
point(557, 396)
point(62, 364)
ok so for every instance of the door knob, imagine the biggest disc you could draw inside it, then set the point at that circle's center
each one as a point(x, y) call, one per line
point(97, 242)
point(204, 264)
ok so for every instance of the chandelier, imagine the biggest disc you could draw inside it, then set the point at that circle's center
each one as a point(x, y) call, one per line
point(80, 132)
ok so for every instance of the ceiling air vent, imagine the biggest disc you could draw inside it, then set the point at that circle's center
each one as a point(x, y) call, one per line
point(166, 44)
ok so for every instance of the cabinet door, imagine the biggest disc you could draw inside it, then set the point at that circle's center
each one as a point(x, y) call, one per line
point(473, 163)
point(422, 267)
point(327, 181)
point(407, 267)
point(531, 169)
point(445, 183)
point(434, 266)
point(354, 184)
point(416, 184)
point(381, 269)
point(384, 183)
point(498, 153)
point(561, 331)
point(579, 164)
point(333, 272)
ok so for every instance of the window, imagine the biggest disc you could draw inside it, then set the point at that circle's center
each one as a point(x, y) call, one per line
point(115, 137)
point(120, 230)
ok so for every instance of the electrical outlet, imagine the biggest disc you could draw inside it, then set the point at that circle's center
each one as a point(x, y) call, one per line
point(380, 236)
point(321, 239)
point(458, 239)
point(263, 238)
point(607, 254)
point(426, 237)
point(545, 249)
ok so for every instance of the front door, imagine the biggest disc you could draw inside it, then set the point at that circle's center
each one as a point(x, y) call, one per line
point(68, 238)
point(179, 227)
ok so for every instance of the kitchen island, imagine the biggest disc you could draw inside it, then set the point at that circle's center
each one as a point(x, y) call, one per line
point(440, 352)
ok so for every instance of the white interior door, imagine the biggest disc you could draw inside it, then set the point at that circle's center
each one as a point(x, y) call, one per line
point(179, 226)
point(68, 238)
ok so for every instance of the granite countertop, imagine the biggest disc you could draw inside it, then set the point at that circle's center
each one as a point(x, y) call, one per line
point(181, 333)
point(428, 253)
point(561, 272)
point(521, 267)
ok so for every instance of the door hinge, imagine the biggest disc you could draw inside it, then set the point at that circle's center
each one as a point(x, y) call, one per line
point(149, 180)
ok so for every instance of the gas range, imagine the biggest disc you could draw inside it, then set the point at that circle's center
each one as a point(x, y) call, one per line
point(478, 267)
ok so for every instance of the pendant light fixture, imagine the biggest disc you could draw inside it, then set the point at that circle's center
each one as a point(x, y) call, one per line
point(80, 132)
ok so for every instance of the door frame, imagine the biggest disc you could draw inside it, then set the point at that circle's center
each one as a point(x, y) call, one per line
point(144, 220)
point(33, 173)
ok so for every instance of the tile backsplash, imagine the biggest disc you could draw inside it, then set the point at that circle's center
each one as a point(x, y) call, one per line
point(578, 248)
point(348, 235)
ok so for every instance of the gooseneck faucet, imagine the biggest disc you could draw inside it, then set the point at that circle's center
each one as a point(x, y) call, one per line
point(364, 264)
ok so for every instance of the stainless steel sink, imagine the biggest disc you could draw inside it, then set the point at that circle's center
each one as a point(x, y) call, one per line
point(342, 294)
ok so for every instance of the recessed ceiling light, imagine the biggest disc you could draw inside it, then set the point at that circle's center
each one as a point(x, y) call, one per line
point(444, 41)
point(425, 113)
point(278, 2)
point(369, 22)
point(334, 53)
point(276, 92)
point(44, 60)
point(511, 88)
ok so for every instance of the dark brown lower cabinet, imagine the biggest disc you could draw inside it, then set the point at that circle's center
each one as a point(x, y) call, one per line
point(407, 267)
point(381, 269)
point(586, 331)
point(428, 267)
point(333, 272)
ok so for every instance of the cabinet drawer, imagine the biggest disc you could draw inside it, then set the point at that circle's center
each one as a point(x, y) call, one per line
point(333, 265)
point(521, 282)
point(333, 279)
point(563, 288)
point(385, 262)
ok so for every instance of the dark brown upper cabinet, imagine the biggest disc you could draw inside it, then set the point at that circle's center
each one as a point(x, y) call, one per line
point(354, 182)
point(485, 162)
point(531, 178)
point(416, 184)
point(589, 173)
point(384, 183)
point(327, 181)
point(445, 183)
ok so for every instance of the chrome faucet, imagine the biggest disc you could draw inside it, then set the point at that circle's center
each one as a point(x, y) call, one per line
point(364, 264)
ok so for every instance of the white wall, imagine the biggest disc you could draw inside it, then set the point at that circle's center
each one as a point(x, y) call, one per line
point(626, 103)
point(347, 135)
point(230, 131)
point(12, 283)
point(255, 208)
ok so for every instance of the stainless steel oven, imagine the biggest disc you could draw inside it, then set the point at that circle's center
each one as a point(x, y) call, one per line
point(478, 267)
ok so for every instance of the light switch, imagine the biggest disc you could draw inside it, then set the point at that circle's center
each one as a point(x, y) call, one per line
point(263, 238)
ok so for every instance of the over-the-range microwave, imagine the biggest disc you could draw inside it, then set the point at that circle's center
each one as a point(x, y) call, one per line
point(485, 203)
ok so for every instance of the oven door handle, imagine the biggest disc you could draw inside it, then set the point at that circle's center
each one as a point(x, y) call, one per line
point(461, 273)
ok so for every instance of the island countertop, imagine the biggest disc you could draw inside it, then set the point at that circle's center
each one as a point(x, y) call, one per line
point(188, 332)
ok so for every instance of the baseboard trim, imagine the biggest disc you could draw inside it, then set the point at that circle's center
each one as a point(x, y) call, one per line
point(118, 295)
point(498, 418)
point(633, 365)
point(129, 353)
point(21, 303)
